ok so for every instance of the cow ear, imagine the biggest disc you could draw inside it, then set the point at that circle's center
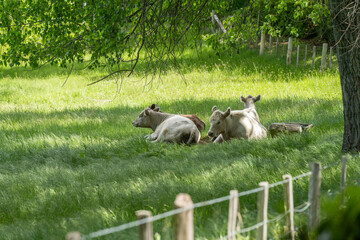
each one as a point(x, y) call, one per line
point(214, 108)
point(242, 98)
point(257, 98)
point(156, 109)
point(147, 112)
point(227, 113)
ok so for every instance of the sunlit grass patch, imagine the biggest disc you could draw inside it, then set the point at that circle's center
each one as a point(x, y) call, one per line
point(71, 160)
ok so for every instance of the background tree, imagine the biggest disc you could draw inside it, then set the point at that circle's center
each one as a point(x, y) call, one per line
point(346, 26)
point(114, 34)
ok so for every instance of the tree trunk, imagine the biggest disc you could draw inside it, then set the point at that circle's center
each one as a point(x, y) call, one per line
point(346, 26)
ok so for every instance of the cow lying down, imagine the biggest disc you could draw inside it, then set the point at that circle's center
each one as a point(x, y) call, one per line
point(249, 104)
point(199, 124)
point(167, 127)
point(234, 124)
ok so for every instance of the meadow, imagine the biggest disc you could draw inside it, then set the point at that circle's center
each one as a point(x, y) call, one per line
point(70, 158)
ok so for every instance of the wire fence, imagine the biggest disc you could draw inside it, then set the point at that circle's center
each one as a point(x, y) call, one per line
point(304, 54)
point(299, 209)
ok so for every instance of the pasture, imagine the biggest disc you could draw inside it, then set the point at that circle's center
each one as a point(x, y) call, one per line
point(71, 160)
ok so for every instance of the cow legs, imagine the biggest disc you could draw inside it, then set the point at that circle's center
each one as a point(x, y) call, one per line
point(158, 139)
point(219, 139)
point(151, 137)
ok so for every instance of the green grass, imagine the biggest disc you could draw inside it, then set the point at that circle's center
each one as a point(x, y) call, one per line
point(71, 160)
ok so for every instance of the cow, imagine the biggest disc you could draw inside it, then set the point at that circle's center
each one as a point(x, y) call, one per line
point(249, 104)
point(235, 124)
point(198, 122)
point(167, 127)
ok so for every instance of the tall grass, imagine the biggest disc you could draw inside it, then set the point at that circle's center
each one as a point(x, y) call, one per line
point(71, 160)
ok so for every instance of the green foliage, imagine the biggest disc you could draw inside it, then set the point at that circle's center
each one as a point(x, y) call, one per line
point(299, 19)
point(294, 18)
point(116, 34)
point(113, 33)
point(240, 30)
point(342, 217)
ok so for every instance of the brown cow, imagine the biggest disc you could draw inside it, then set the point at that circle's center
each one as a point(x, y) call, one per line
point(199, 124)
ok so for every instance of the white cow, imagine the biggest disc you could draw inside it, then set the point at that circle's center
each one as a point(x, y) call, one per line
point(168, 127)
point(235, 124)
point(249, 104)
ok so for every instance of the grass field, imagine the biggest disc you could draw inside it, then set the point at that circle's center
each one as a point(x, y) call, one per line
point(71, 160)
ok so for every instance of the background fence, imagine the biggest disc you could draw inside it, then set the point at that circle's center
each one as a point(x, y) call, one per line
point(183, 212)
point(291, 49)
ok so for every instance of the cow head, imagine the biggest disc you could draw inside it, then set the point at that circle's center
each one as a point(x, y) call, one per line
point(250, 101)
point(143, 120)
point(154, 107)
point(217, 122)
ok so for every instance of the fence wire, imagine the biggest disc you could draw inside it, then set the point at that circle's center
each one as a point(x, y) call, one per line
point(301, 208)
point(136, 223)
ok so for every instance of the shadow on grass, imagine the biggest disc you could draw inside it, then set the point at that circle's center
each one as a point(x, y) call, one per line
point(272, 67)
point(90, 128)
point(92, 164)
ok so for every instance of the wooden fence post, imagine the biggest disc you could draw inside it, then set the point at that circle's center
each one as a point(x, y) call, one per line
point(289, 51)
point(262, 43)
point(213, 21)
point(314, 195)
point(297, 55)
point(283, 53)
point(233, 209)
point(270, 43)
point(73, 236)
point(330, 60)
point(313, 56)
point(257, 28)
point(305, 55)
point(145, 230)
point(277, 45)
point(184, 222)
point(263, 198)
point(289, 205)
point(343, 173)
point(323, 56)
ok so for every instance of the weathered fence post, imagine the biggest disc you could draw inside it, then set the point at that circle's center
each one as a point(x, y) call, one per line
point(314, 195)
point(305, 55)
point(213, 21)
point(277, 45)
point(297, 55)
point(233, 209)
point(270, 43)
point(262, 43)
point(289, 51)
point(343, 173)
point(73, 236)
point(283, 53)
point(263, 198)
point(313, 56)
point(257, 27)
point(289, 205)
point(323, 56)
point(330, 60)
point(145, 230)
point(184, 222)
